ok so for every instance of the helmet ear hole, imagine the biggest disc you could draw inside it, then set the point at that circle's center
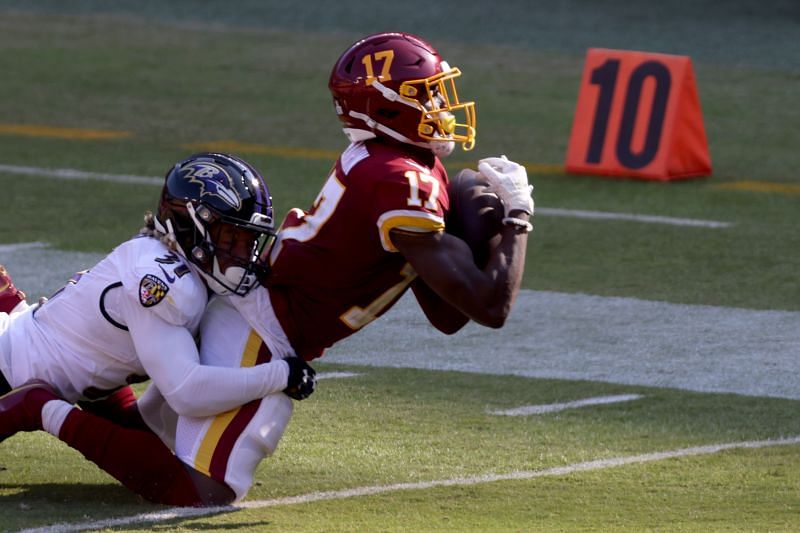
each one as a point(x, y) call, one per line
point(408, 91)
point(204, 213)
point(199, 254)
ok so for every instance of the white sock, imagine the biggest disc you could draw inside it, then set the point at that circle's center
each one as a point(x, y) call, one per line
point(54, 413)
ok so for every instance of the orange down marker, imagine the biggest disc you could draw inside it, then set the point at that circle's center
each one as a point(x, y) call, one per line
point(638, 115)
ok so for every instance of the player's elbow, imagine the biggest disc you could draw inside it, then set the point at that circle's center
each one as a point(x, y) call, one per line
point(448, 320)
point(189, 405)
point(179, 405)
point(496, 322)
point(451, 327)
point(184, 407)
point(495, 318)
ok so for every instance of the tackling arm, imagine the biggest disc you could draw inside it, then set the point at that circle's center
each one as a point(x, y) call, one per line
point(169, 356)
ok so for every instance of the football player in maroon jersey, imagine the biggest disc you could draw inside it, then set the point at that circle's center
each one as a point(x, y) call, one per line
point(377, 226)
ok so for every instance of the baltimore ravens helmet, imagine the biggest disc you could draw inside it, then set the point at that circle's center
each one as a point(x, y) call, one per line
point(219, 211)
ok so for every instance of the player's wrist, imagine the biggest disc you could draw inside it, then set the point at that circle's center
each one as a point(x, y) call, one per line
point(519, 223)
point(519, 213)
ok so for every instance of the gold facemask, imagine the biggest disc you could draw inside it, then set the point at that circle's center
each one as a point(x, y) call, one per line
point(444, 117)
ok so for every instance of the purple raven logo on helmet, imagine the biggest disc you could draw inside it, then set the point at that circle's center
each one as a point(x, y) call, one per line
point(214, 181)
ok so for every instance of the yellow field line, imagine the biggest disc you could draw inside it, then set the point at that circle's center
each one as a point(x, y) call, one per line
point(30, 130)
point(251, 148)
point(542, 168)
point(308, 153)
point(759, 186)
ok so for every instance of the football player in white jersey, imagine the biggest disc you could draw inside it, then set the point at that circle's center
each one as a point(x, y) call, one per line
point(135, 314)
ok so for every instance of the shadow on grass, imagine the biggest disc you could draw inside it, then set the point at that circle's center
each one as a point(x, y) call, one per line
point(75, 493)
point(47, 504)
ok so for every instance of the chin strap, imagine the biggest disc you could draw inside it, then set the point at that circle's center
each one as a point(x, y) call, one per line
point(355, 135)
point(441, 148)
point(160, 227)
point(396, 135)
point(393, 96)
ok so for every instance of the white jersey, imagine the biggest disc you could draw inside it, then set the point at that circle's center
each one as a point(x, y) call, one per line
point(79, 340)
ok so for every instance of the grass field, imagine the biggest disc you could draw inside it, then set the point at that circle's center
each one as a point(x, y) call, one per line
point(127, 88)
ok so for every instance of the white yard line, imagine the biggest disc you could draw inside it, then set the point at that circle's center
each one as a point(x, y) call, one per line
point(647, 219)
point(72, 174)
point(556, 407)
point(600, 464)
point(337, 375)
point(10, 248)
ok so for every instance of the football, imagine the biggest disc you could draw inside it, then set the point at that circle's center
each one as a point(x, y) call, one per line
point(475, 214)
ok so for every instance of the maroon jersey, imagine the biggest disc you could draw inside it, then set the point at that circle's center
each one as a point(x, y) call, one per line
point(334, 268)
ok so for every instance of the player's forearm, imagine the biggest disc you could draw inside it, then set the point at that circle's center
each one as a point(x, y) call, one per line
point(211, 390)
point(169, 356)
point(505, 270)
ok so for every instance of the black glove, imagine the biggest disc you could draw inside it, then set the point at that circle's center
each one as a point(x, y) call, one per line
point(302, 379)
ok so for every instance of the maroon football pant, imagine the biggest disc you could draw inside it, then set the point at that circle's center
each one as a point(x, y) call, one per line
point(136, 457)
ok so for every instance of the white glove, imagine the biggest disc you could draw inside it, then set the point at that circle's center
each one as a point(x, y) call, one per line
point(509, 181)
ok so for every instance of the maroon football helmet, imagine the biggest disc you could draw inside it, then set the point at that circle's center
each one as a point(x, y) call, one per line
point(396, 85)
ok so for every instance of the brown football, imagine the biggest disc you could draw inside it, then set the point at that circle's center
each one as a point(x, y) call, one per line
point(475, 214)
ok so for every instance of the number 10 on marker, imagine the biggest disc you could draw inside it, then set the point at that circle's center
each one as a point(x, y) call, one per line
point(638, 115)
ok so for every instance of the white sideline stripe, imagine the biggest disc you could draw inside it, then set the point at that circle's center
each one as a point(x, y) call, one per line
point(171, 514)
point(337, 375)
point(649, 219)
point(9, 248)
point(555, 407)
point(72, 174)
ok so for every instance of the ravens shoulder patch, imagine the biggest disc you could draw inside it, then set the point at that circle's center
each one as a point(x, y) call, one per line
point(152, 290)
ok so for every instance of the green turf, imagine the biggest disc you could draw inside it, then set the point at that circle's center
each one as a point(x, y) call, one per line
point(398, 425)
point(177, 73)
point(170, 87)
